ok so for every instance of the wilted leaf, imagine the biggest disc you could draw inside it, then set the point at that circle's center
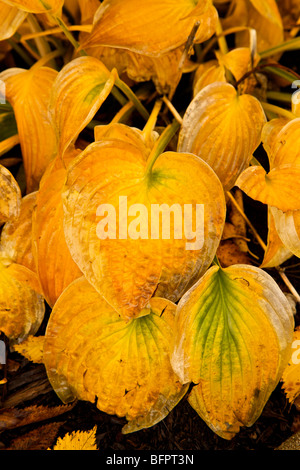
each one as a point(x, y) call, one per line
point(55, 267)
point(10, 196)
point(77, 440)
point(91, 353)
point(276, 253)
point(37, 439)
point(32, 348)
point(213, 125)
point(36, 6)
point(288, 228)
point(28, 91)
point(279, 187)
point(16, 239)
point(208, 73)
point(234, 331)
point(21, 308)
point(154, 27)
point(291, 374)
point(136, 258)
point(78, 92)
point(10, 20)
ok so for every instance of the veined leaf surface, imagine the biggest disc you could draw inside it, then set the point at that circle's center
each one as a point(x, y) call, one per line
point(28, 91)
point(288, 228)
point(21, 307)
point(154, 27)
point(78, 92)
point(10, 196)
point(136, 259)
point(36, 6)
point(91, 353)
point(213, 125)
point(10, 20)
point(276, 253)
point(291, 374)
point(234, 330)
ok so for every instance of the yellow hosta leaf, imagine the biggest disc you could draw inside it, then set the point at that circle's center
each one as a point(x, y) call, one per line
point(132, 135)
point(16, 240)
point(280, 187)
point(77, 440)
point(151, 28)
point(207, 73)
point(268, 9)
point(107, 188)
point(213, 125)
point(32, 348)
point(234, 330)
point(21, 308)
point(36, 6)
point(29, 93)
point(269, 137)
point(291, 374)
point(78, 92)
point(276, 253)
point(238, 61)
point(285, 147)
point(55, 267)
point(288, 228)
point(10, 196)
point(90, 353)
point(10, 20)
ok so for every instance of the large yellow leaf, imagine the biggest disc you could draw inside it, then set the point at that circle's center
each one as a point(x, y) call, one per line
point(136, 258)
point(285, 148)
point(36, 6)
point(90, 353)
point(78, 92)
point(151, 28)
point(279, 187)
point(291, 374)
point(268, 9)
point(29, 93)
point(16, 235)
point(222, 128)
point(21, 307)
point(10, 20)
point(234, 331)
point(10, 196)
point(55, 267)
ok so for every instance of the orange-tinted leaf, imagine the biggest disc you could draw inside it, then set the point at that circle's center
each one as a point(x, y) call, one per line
point(16, 240)
point(279, 188)
point(29, 93)
point(10, 196)
point(78, 92)
point(21, 308)
point(36, 6)
point(77, 440)
point(10, 20)
point(288, 228)
point(91, 353)
point(276, 253)
point(32, 348)
point(55, 267)
point(291, 374)
point(207, 73)
point(133, 261)
point(155, 27)
point(212, 127)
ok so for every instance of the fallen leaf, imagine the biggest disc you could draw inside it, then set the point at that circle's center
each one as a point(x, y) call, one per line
point(77, 440)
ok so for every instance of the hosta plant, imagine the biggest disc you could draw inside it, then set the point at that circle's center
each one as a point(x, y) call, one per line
point(132, 133)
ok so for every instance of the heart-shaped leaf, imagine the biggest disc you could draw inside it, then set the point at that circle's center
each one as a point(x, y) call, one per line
point(234, 330)
point(112, 206)
point(212, 127)
point(90, 353)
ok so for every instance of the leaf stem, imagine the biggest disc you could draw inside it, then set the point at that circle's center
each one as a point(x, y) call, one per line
point(277, 110)
point(161, 144)
point(21, 53)
point(41, 42)
point(150, 125)
point(68, 34)
point(132, 97)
